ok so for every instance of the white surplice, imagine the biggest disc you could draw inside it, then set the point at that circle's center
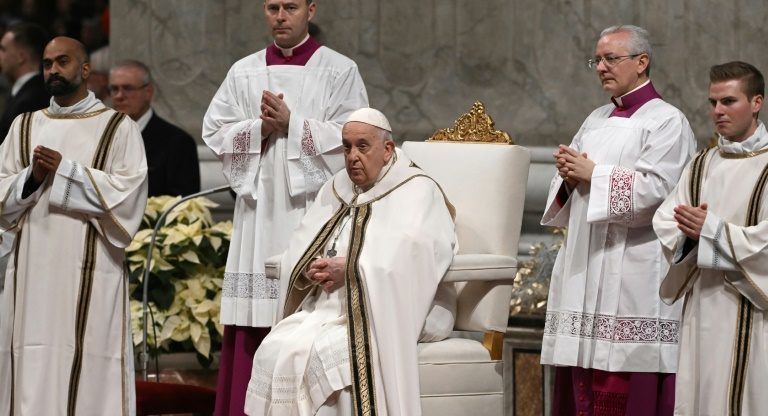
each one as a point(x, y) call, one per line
point(603, 309)
point(729, 265)
point(65, 343)
point(275, 187)
point(406, 244)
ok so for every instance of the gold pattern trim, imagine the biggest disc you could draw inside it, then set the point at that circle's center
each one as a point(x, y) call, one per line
point(81, 317)
point(297, 294)
point(13, 319)
point(476, 126)
point(25, 137)
point(105, 143)
point(726, 155)
point(358, 326)
point(740, 359)
point(75, 115)
point(352, 204)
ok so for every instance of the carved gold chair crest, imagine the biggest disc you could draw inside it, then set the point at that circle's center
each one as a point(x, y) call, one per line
point(476, 126)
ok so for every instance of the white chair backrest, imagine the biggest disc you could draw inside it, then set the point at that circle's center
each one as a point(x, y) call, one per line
point(486, 183)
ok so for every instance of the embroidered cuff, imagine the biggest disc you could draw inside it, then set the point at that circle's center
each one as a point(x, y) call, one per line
point(69, 174)
point(610, 195)
point(714, 252)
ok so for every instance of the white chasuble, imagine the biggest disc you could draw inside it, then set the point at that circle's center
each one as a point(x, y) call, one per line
point(603, 309)
point(361, 340)
point(278, 177)
point(723, 279)
point(65, 344)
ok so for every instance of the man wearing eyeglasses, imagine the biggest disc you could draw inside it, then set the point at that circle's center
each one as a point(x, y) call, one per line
point(613, 340)
point(171, 152)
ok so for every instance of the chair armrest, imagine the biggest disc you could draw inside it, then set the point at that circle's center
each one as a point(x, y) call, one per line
point(272, 266)
point(481, 267)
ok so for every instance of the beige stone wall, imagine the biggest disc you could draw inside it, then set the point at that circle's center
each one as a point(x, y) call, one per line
point(426, 61)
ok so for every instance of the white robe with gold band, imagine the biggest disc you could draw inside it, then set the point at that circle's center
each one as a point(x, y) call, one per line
point(603, 309)
point(724, 281)
point(65, 344)
point(274, 188)
point(361, 340)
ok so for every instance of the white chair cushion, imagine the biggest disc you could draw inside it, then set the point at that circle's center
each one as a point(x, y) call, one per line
point(458, 366)
point(466, 267)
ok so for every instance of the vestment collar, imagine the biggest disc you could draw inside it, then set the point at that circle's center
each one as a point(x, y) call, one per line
point(627, 104)
point(298, 55)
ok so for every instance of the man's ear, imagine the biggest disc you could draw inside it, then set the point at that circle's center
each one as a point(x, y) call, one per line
point(757, 104)
point(312, 10)
point(643, 61)
point(85, 70)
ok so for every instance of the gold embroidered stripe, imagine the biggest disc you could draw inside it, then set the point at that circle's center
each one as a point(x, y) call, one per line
point(24, 137)
point(697, 171)
point(756, 198)
point(744, 323)
point(81, 317)
point(13, 324)
point(100, 158)
point(358, 325)
point(741, 355)
point(295, 294)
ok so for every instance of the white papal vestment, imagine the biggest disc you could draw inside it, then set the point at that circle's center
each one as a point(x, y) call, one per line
point(603, 310)
point(65, 344)
point(360, 340)
point(275, 181)
point(724, 281)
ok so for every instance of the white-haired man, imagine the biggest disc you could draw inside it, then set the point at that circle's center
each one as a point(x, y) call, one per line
point(358, 278)
point(275, 123)
point(614, 342)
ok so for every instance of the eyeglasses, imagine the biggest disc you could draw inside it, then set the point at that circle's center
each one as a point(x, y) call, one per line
point(609, 61)
point(114, 89)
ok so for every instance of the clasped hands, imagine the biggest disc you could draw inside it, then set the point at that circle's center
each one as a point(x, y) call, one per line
point(572, 166)
point(328, 272)
point(44, 161)
point(690, 220)
point(275, 114)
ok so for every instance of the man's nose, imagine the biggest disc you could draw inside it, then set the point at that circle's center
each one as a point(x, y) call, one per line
point(281, 14)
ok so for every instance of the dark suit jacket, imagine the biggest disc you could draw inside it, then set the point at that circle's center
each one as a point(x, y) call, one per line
point(31, 97)
point(171, 159)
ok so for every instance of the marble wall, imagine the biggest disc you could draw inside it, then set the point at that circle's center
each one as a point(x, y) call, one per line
point(424, 62)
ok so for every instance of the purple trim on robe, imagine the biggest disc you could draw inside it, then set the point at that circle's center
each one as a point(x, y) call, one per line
point(300, 56)
point(634, 100)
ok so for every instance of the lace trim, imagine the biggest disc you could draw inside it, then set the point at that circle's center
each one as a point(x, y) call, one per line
point(327, 358)
point(241, 158)
point(277, 390)
point(250, 286)
point(611, 328)
point(290, 390)
point(716, 245)
point(621, 183)
point(314, 177)
point(68, 187)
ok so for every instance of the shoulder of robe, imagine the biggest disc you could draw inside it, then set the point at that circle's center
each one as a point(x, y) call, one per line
point(249, 61)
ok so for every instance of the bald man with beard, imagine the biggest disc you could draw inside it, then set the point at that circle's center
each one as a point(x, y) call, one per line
point(73, 185)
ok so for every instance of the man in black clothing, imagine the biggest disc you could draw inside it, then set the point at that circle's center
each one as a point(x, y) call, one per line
point(21, 50)
point(171, 152)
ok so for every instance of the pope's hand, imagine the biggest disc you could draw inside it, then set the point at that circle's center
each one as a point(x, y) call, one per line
point(327, 273)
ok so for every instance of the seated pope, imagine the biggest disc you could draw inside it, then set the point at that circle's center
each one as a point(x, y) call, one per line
point(358, 282)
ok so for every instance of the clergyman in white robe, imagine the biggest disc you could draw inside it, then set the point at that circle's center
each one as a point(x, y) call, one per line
point(723, 279)
point(65, 343)
point(355, 349)
point(606, 329)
